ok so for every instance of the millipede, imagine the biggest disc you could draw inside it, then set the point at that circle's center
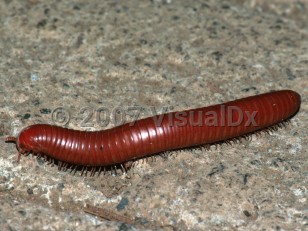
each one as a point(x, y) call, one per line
point(153, 135)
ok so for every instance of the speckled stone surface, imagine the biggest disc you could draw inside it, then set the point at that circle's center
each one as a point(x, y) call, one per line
point(82, 55)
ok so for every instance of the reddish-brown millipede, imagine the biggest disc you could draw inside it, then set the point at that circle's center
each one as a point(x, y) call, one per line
point(146, 137)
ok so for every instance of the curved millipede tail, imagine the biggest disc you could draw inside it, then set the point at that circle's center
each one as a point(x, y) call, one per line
point(117, 146)
point(11, 139)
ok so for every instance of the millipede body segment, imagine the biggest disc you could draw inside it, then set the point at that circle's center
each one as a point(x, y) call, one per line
point(159, 133)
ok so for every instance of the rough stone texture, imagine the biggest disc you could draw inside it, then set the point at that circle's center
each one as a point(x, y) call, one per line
point(83, 55)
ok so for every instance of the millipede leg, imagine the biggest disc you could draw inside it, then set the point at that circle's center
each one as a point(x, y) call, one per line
point(59, 165)
point(82, 170)
point(75, 170)
point(93, 171)
point(99, 170)
point(123, 169)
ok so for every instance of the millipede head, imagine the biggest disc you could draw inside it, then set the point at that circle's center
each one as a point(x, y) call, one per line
point(24, 141)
